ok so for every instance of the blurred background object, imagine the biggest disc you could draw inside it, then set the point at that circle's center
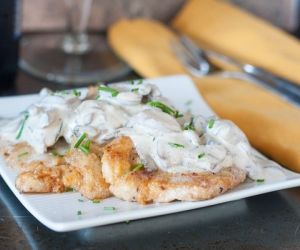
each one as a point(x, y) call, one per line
point(49, 14)
point(9, 41)
point(73, 56)
point(282, 13)
point(44, 16)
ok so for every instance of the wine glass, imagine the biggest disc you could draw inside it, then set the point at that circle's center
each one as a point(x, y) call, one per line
point(72, 57)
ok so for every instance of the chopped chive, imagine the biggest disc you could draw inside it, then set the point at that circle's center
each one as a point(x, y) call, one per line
point(176, 145)
point(135, 90)
point(113, 92)
point(109, 208)
point(84, 149)
point(96, 201)
point(190, 126)
point(76, 92)
point(177, 114)
point(137, 167)
point(69, 189)
point(260, 180)
point(210, 123)
point(87, 144)
point(26, 115)
point(79, 212)
point(201, 155)
point(22, 154)
point(164, 108)
point(80, 200)
point(80, 140)
point(136, 82)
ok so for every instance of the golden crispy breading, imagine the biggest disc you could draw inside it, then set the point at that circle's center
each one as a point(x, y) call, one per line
point(118, 157)
point(22, 156)
point(42, 179)
point(91, 184)
point(146, 186)
point(80, 171)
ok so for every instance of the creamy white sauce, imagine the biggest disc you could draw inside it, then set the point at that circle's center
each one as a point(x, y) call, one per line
point(46, 121)
point(99, 119)
point(159, 138)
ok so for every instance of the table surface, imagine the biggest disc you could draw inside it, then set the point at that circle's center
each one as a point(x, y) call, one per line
point(268, 221)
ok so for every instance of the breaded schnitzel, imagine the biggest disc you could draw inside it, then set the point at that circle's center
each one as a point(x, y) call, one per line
point(146, 186)
point(54, 174)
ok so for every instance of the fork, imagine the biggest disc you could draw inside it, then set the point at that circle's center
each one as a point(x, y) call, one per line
point(200, 63)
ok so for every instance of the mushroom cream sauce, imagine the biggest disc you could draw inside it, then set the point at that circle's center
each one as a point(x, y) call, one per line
point(163, 137)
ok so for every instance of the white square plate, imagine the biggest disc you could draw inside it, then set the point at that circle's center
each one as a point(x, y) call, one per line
point(59, 211)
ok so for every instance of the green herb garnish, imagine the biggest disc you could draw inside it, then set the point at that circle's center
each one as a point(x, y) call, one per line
point(87, 144)
point(96, 201)
point(136, 82)
point(176, 145)
point(164, 108)
point(260, 180)
point(26, 115)
point(210, 123)
point(177, 114)
point(22, 154)
point(80, 140)
point(135, 90)
point(80, 200)
point(190, 126)
point(113, 92)
point(137, 167)
point(85, 148)
point(76, 92)
point(69, 189)
point(109, 208)
point(79, 212)
point(201, 155)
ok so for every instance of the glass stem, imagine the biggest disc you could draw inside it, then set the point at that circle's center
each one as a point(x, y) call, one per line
point(76, 40)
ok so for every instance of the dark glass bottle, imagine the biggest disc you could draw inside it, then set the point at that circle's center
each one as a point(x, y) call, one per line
point(9, 41)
